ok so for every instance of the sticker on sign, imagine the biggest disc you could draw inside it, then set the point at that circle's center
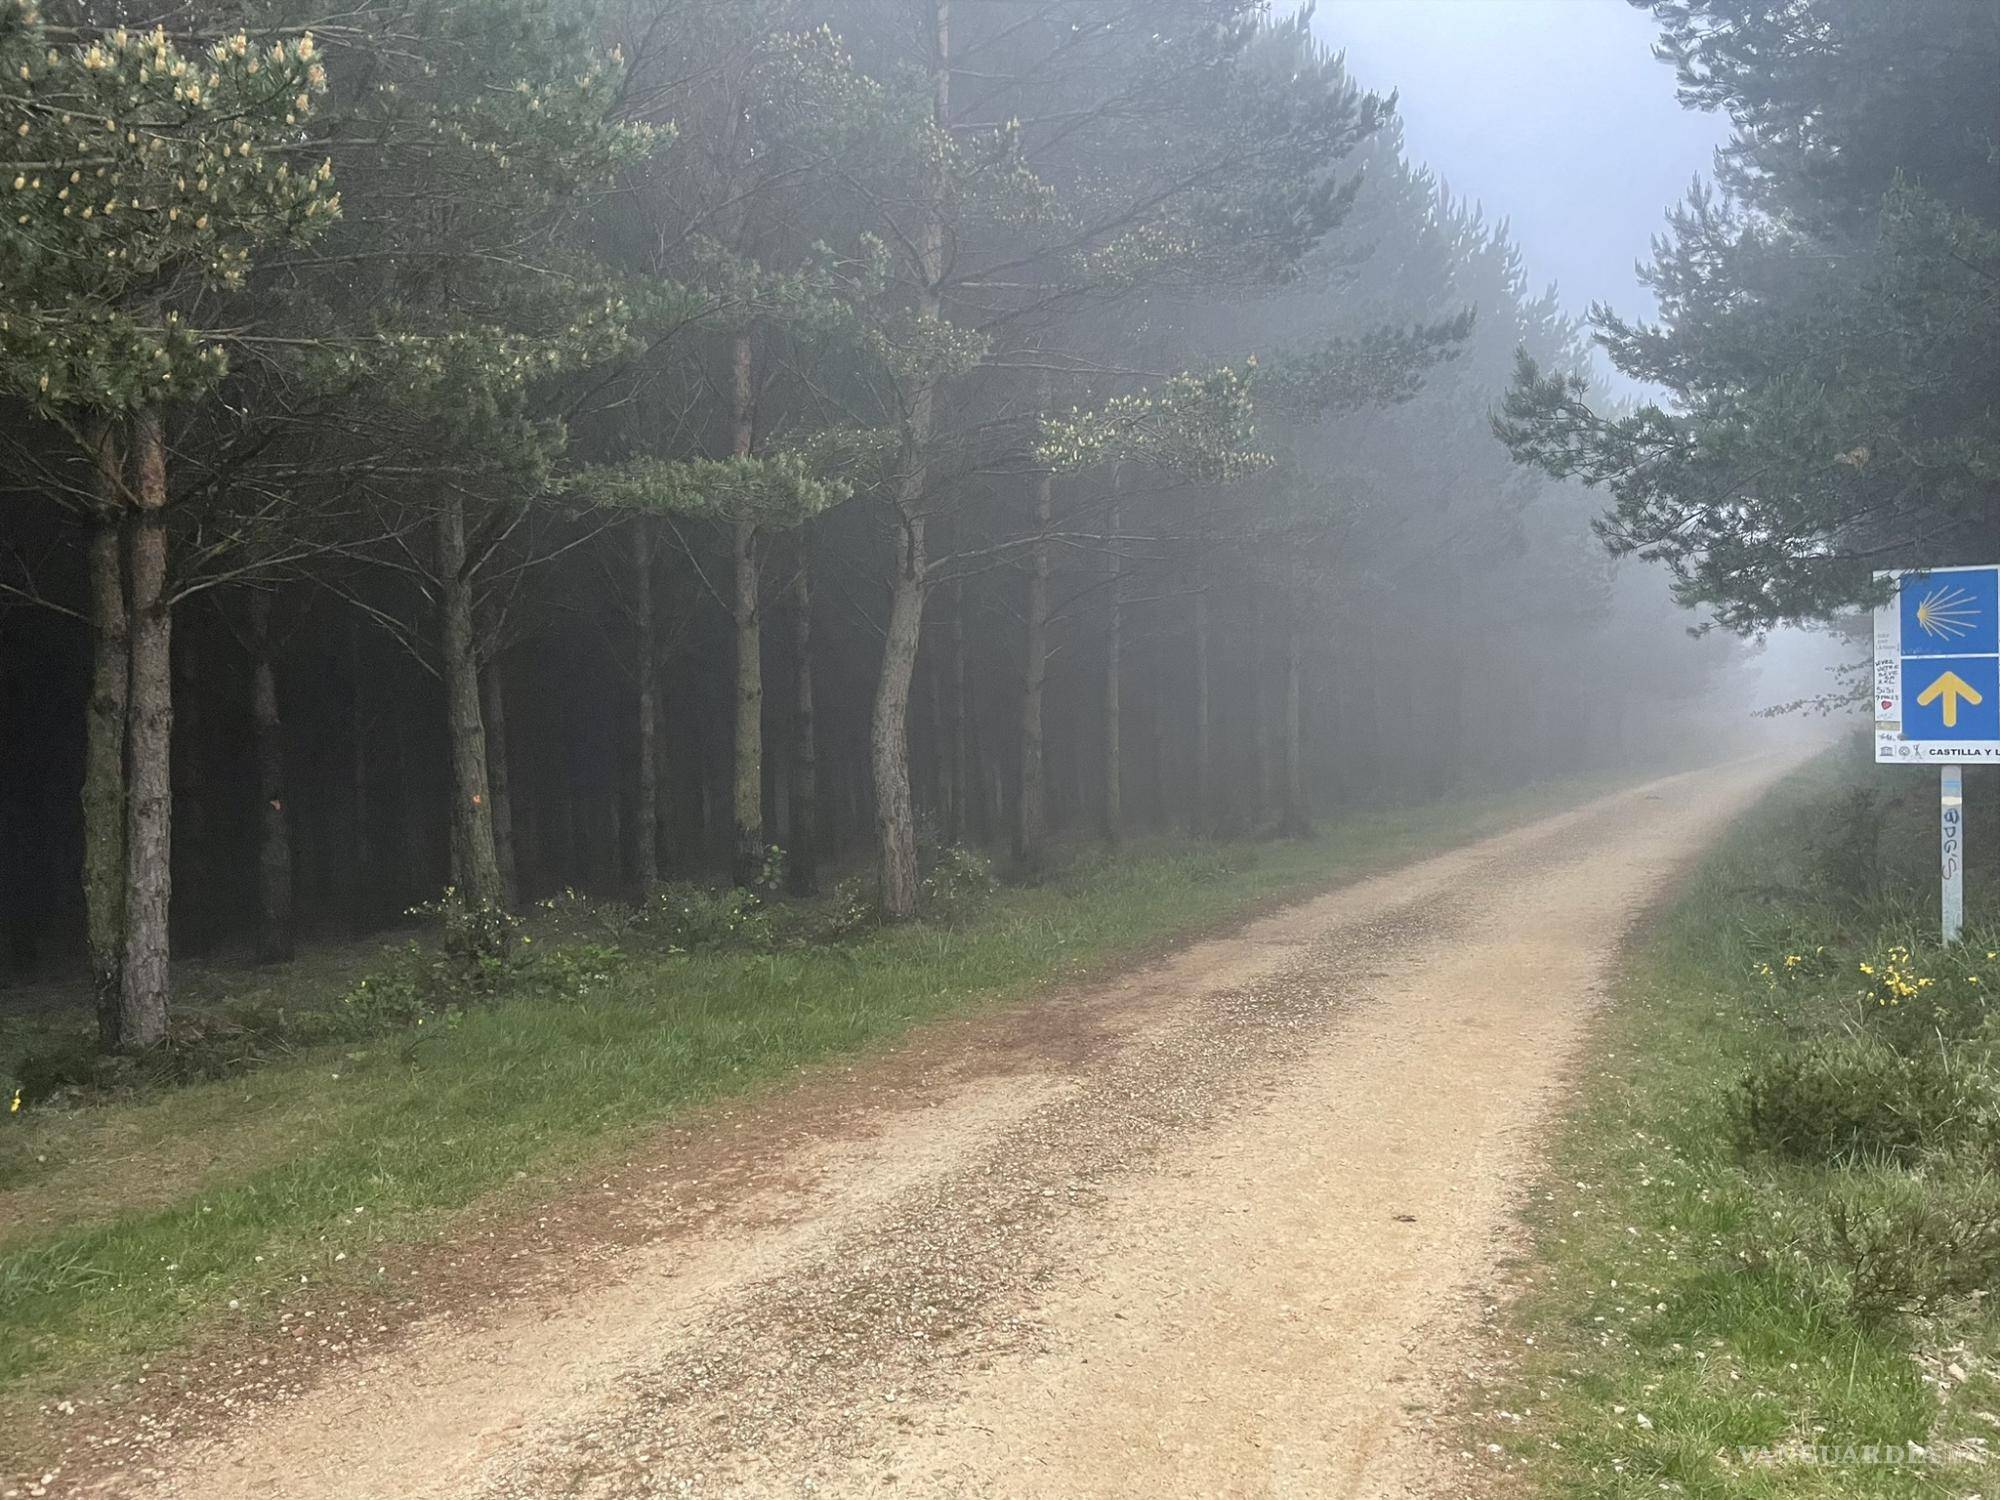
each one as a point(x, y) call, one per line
point(1937, 667)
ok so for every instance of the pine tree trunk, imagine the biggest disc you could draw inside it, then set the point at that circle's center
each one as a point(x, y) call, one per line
point(475, 859)
point(889, 739)
point(803, 871)
point(889, 725)
point(1260, 711)
point(747, 798)
point(666, 808)
point(1296, 822)
point(646, 837)
point(104, 746)
point(499, 778)
point(747, 792)
point(957, 731)
point(144, 984)
point(1203, 811)
point(938, 766)
point(1114, 648)
point(361, 852)
point(1032, 811)
point(274, 823)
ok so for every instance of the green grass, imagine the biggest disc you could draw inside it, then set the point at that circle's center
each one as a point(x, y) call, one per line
point(1674, 1313)
point(127, 1228)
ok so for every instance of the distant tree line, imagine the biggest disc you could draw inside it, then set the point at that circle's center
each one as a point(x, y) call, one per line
point(516, 445)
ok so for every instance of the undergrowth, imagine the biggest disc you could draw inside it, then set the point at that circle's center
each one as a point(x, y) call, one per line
point(1766, 1251)
point(565, 949)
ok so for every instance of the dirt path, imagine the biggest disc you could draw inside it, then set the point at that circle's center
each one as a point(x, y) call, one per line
point(1216, 1229)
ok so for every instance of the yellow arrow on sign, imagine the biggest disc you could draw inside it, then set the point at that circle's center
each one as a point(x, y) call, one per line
point(1951, 687)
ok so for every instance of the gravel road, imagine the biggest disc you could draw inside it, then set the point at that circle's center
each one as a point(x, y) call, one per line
point(1224, 1226)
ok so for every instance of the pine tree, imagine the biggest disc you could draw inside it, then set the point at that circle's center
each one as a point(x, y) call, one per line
point(444, 337)
point(145, 174)
point(1826, 325)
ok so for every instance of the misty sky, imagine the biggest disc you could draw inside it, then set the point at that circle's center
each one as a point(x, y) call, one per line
point(1555, 115)
point(1552, 113)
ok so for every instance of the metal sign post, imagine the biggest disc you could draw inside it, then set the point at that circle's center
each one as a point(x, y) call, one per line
point(1951, 847)
point(1937, 696)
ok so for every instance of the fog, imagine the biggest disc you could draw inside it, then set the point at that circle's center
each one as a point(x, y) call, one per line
point(819, 438)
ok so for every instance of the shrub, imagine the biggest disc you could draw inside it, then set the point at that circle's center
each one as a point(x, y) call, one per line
point(566, 971)
point(575, 917)
point(1842, 851)
point(1794, 962)
point(1857, 1097)
point(681, 917)
point(1915, 1001)
point(849, 911)
point(201, 1045)
point(1899, 1242)
point(475, 942)
point(686, 916)
point(956, 886)
point(480, 956)
point(407, 992)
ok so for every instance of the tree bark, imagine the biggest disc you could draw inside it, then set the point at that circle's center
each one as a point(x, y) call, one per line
point(104, 744)
point(1032, 811)
point(1296, 822)
point(747, 797)
point(1203, 811)
point(499, 778)
point(1114, 647)
point(889, 743)
point(361, 850)
point(957, 731)
point(747, 794)
point(939, 763)
point(1260, 710)
point(475, 858)
point(803, 870)
point(274, 824)
point(646, 837)
point(145, 984)
point(889, 725)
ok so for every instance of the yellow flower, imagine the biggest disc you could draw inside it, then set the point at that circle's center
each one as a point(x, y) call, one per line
point(1868, 968)
point(14, 1104)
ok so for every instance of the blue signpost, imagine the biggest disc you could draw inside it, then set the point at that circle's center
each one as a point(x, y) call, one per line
point(1937, 694)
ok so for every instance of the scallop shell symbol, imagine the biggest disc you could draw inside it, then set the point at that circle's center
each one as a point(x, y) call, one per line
point(1947, 612)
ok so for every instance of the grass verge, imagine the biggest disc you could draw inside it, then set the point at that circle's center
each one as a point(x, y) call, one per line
point(1762, 1256)
point(126, 1227)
